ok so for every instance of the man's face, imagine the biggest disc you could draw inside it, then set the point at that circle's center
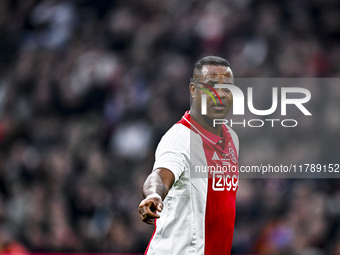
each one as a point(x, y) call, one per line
point(212, 75)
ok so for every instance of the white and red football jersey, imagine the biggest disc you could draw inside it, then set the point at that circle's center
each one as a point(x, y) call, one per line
point(199, 212)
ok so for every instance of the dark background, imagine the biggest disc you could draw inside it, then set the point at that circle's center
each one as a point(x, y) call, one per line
point(88, 87)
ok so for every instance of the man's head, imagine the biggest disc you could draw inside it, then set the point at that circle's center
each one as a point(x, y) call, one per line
point(208, 61)
point(209, 71)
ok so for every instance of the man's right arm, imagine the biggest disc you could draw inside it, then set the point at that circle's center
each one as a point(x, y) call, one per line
point(155, 189)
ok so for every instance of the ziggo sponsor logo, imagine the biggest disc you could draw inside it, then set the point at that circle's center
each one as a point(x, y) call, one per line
point(221, 176)
point(222, 181)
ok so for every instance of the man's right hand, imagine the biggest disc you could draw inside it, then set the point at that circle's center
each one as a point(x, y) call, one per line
point(155, 189)
point(148, 206)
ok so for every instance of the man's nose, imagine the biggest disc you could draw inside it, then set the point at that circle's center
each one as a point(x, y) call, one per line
point(220, 92)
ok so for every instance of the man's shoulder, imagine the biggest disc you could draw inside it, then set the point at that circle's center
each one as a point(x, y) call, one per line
point(177, 132)
point(180, 137)
point(179, 127)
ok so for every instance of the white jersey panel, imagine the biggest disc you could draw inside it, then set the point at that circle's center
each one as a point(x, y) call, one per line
point(180, 228)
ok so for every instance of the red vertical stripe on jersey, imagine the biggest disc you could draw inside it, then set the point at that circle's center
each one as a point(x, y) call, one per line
point(220, 213)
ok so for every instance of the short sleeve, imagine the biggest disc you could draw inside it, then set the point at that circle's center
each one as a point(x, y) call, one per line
point(173, 151)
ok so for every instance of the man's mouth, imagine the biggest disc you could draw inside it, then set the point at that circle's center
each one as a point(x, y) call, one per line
point(218, 107)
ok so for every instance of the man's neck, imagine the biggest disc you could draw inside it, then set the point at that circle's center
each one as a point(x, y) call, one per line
point(208, 126)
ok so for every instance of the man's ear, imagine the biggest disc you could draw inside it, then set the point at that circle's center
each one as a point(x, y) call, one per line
point(192, 88)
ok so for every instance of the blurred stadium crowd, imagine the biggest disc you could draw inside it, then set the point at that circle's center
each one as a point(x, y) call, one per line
point(88, 87)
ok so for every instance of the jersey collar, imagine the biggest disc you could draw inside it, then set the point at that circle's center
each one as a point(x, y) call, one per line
point(197, 128)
